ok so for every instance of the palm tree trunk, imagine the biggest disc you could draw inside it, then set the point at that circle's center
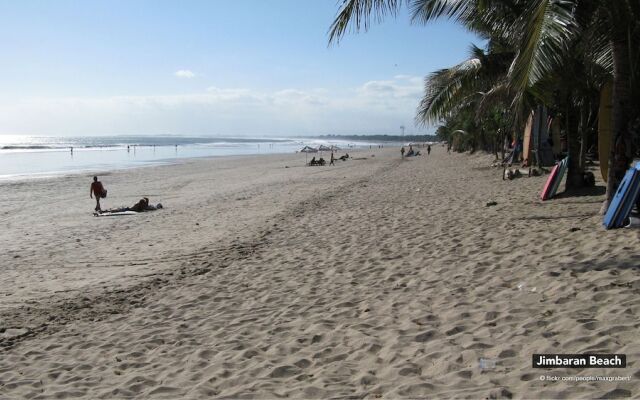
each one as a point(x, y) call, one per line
point(620, 114)
point(582, 128)
point(575, 172)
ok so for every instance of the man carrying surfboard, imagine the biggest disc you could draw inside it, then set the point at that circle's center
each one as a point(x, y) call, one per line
point(97, 190)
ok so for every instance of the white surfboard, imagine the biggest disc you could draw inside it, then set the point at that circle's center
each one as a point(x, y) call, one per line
point(114, 214)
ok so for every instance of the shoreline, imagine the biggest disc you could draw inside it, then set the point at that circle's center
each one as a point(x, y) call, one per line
point(9, 179)
point(378, 277)
point(43, 161)
point(109, 171)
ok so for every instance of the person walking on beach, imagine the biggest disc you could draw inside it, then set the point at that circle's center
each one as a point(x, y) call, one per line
point(428, 149)
point(98, 191)
point(402, 151)
point(332, 159)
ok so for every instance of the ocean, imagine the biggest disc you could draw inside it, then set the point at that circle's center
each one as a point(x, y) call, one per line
point(25, 157)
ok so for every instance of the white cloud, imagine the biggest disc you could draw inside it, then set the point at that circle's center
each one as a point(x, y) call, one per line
point(399, 87)
point(185, 74)
point(373, 107)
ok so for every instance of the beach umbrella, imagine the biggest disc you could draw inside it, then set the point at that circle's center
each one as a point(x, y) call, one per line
point(306, 150)
point(324, 148)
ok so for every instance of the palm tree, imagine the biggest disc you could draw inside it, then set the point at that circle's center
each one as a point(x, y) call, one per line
point(545, 36)
point(478, 84)
point(552, 27)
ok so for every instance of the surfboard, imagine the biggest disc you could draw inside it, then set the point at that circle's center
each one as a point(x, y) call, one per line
point(562, 168)
point(550, 181)
point(605, 127)
point(528, 140)
point(624, 199)
point(114, 214)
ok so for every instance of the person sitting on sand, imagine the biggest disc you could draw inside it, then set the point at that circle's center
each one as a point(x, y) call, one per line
point(97, 190)
point(313, 161)
point(321, 161)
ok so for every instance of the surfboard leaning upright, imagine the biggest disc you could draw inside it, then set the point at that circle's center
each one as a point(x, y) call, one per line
point(528, 140)
point(549, 183)
point(624, 199)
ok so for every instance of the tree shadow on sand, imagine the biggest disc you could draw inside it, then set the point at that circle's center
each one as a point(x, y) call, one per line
point(583, 192)
point(612, 265)
point(554, 217)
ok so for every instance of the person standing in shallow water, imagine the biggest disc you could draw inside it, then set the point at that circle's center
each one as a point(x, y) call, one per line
point(98, 191)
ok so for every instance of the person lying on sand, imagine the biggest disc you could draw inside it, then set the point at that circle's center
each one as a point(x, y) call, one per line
point(140, 206)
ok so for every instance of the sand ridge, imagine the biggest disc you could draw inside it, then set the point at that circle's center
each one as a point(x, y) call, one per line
point(392, 281)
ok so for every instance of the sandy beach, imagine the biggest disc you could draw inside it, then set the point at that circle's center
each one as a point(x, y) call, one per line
point(263, 278)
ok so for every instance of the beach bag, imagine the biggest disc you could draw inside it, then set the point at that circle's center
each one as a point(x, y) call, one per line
point(103, 195)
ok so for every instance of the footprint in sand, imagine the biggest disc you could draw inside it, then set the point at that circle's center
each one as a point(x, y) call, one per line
point(455, 330)
point(425, 336)
point(284, 371)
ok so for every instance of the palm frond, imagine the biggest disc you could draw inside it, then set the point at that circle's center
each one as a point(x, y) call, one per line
point(499, 95)
point(356, 15)
point(447, 89)
point(424, 11)
point(548, 30)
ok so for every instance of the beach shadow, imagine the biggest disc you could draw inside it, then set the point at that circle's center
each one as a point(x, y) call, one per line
point(543, 217)
point(589, 266)
point(583, 192)
point(581, 202)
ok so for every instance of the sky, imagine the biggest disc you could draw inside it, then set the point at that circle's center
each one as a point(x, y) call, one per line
point(212, 67)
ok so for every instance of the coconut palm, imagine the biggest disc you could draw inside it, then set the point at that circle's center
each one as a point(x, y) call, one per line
point(552, 27)
point(545, 35)
point(477, 84)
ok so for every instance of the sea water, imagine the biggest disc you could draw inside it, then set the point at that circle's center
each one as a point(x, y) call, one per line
point(24, 157)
